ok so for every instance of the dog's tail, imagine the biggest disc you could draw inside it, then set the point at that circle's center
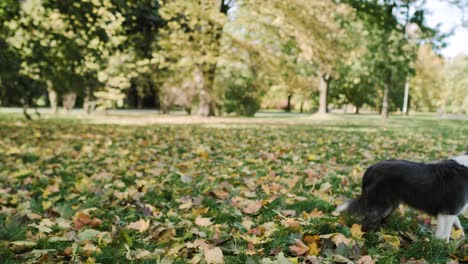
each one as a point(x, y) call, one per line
point(354, 206)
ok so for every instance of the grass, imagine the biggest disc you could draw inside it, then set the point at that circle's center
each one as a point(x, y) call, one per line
point(174, 170)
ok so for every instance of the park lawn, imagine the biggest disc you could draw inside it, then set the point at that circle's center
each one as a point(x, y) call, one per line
point(255, 191)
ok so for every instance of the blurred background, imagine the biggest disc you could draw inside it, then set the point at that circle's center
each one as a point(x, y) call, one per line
point(235, 57)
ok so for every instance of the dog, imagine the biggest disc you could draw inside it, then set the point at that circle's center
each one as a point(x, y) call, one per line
point(439, 189)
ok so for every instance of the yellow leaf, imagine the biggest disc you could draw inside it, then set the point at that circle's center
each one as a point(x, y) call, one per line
point(313, 249)
point(356, 231)
point(46, 204)
point(457, 234)
point(393, 241)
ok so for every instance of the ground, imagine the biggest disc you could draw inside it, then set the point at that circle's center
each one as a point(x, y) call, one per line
point(152, 189)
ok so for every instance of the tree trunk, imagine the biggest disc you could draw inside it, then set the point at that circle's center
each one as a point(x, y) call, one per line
point(89, 104)
point(302, 107)
point(385, 98)
point(206, 103)
point(323, 91)
point(139, 101)
point(52, 96)
point(406, 97)
point(207, 106)
point(69, 100)
point(25, 112)
point(288, 106)
point(203, 103)
point(164, 109)
point(357, 110)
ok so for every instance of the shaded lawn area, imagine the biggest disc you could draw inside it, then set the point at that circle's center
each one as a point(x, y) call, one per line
point(239, 190)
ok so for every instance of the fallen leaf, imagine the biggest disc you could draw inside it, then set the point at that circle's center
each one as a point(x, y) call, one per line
point(365, 260)
point(341, 259)
point(221, 194)
point(457, 234)
point(291, 223)
point(313, 249)
point(253, 207)
point(21, 246)
point(299, 248)
point(356, 231)
point(140, 225)
point(203, 221)
point(392, 241)
point(214, 255)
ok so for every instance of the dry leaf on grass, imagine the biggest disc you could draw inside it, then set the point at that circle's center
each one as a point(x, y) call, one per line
point(253, 207)
point(203, 221)
point(140, 225)
point(214, 255)
point(365, 260)
point(299, 248)
point(356, 231)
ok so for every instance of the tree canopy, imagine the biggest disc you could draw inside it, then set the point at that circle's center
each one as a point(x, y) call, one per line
point(214, 56)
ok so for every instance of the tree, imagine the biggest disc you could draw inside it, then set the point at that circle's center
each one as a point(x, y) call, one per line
point(454, 97)
point(426, 85)
point(392, 52)
point(191, 41)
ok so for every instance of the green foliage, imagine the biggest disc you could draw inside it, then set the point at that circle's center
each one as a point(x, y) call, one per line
point(180, 51)
point(427, 85)
point(237, 99)
point(454, 96)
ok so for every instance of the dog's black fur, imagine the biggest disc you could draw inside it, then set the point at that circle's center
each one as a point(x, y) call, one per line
point(437, 188)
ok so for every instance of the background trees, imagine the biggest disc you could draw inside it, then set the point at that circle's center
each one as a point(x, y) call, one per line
point(213, 56)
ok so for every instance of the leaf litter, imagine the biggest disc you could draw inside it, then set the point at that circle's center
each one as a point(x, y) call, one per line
point(188, 193)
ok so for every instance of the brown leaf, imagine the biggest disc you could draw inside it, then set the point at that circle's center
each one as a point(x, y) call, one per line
point(365, 260)
point(81, 219)
point(288, 212)
point(258, 231)
point(253, 207)
point(311, 239)
point(291, 223)
point(250, 249)
point(299, 248)
point(275, 251)
point(68, 251)
point(95, 223)
point(221, 194)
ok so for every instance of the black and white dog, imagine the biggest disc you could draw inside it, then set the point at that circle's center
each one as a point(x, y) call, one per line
point(439, 189)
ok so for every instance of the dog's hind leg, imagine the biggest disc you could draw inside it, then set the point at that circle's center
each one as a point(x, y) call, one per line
point(375, 217)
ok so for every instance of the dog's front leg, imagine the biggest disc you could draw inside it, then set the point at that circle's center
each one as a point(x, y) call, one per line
point(444, 226)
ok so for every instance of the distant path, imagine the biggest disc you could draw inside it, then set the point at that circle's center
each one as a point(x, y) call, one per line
point(145, 116)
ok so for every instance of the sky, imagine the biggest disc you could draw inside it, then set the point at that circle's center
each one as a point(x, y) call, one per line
point(449, 16)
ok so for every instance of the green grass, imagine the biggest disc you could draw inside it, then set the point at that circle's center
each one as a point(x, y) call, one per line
point(171, 174)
